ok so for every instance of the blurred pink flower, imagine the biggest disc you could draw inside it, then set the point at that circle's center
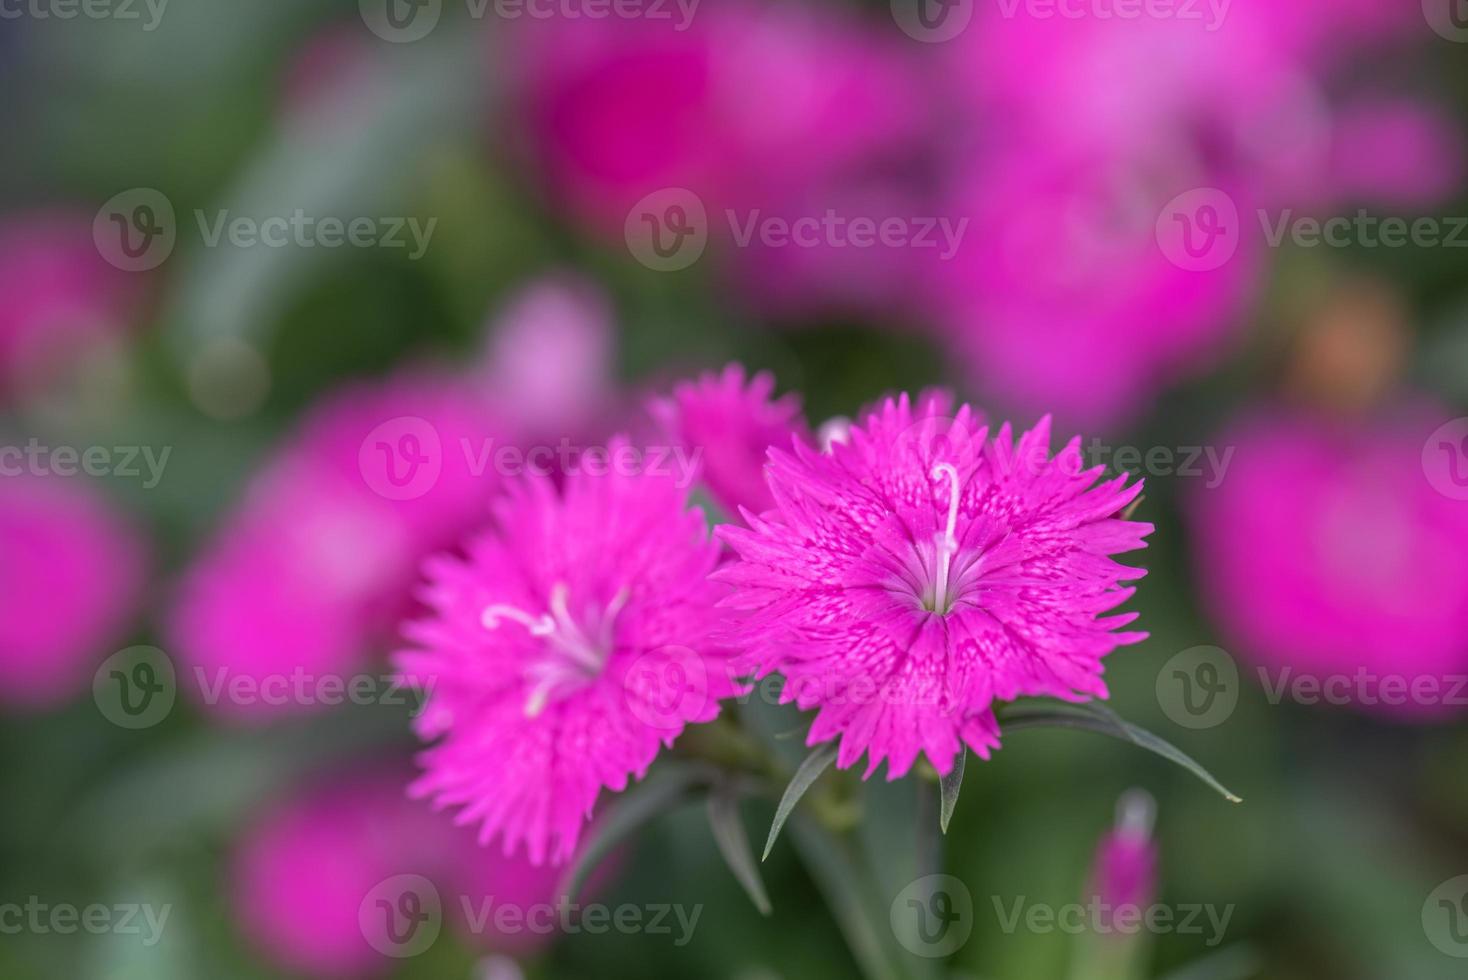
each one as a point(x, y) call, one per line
point(1062, 298)
point(750, 105)
point(553, 646)
point(70, 583)
point(550, 367)
point(302, 871)
point(913, 575)
point(317, 562)
point(62, 299)
point(1124, 871)
point(729, 426)
point(1326, 553)
point(1062, 301)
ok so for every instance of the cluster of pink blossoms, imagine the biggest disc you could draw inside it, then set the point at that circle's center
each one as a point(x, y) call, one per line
point(905, 580)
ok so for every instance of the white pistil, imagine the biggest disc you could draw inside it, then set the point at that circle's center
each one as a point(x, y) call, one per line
point(947, 542)
point(537, 625)
point(564, 635)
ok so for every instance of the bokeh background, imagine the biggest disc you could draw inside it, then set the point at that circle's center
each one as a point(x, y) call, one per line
point(1133, 196)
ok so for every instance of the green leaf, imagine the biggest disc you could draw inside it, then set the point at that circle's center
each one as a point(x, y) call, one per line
point(669, 787)
point(810, 770)
point(1094, 717)
point(1234, 963)
point(733, 844)
point(848, 891)
point(950, 785)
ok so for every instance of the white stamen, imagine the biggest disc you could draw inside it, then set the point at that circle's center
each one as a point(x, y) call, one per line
point(609, 619)
point(538, 699)
point(947, 542)
point(537, 625)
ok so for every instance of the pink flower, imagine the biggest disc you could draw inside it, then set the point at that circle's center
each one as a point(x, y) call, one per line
point(317, 563)
point(303, 870)
point(550, 368)
point(1327, 553)
point(745, 106)
point(1125, 868)
point(548, 646)
point(913, 575)
point(70, 581)
point(1061, 298)
point(62, 299)
point(729, 425)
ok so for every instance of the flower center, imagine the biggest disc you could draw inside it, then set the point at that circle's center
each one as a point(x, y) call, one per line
point(576, 655)
point(946, 544)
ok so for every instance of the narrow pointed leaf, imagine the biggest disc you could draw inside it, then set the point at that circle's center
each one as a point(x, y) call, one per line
point(810, 770)
point(1093, 717)
point(733, 844)
point(663, 791)
point(950, 785)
